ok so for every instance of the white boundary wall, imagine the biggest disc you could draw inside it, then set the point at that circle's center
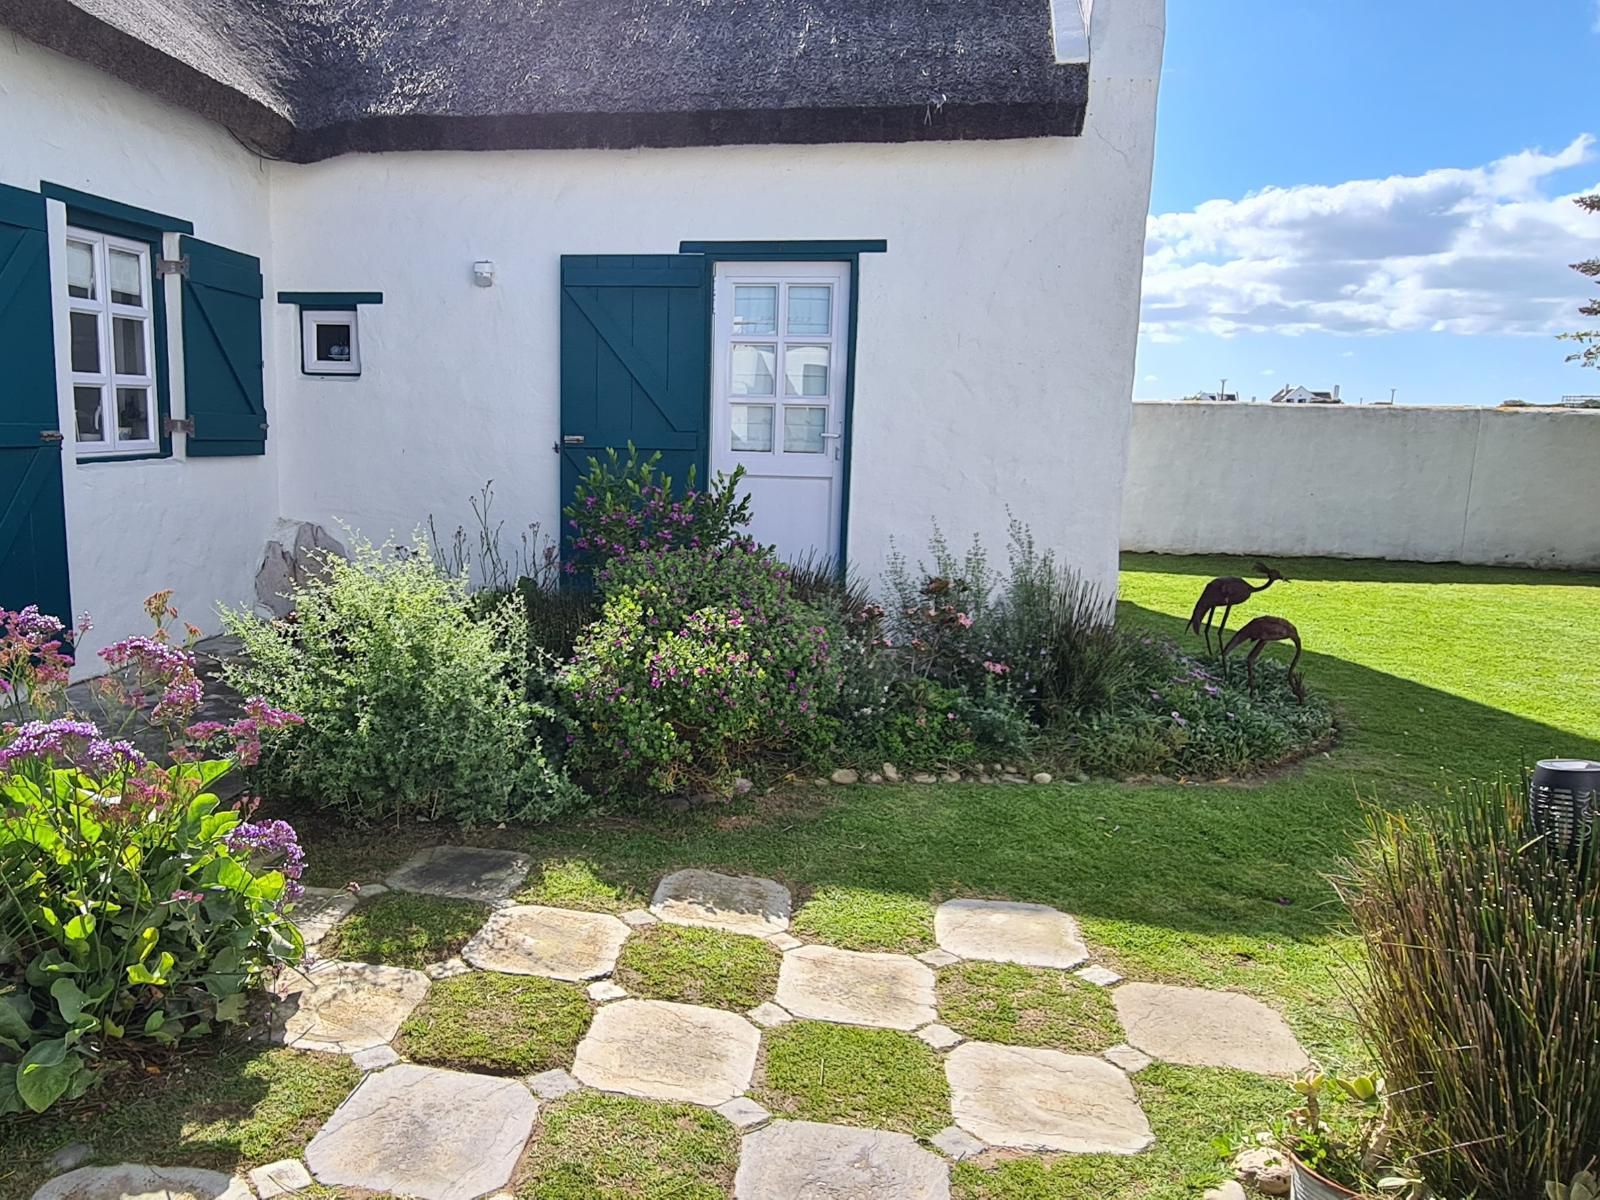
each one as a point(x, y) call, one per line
point(1427, 484)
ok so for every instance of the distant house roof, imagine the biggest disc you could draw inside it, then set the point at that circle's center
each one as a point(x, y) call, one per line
point(309, 79)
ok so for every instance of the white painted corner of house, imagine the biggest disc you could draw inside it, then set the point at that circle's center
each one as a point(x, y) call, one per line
point(1069, 24)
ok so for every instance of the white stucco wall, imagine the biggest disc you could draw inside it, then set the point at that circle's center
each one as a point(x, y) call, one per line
point(996, 335)
point(135, 527)
point(1428, 484)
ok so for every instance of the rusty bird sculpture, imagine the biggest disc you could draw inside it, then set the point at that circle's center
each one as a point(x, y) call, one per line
point(1262, 630)
point(1224, 593)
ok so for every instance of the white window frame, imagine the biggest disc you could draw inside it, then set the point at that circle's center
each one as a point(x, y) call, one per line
point(108, 379)
point(312, 319)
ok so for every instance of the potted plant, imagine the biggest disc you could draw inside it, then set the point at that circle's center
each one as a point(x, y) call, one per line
point(1341, 1163)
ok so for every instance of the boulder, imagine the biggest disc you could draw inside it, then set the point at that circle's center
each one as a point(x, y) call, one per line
point(292, 558)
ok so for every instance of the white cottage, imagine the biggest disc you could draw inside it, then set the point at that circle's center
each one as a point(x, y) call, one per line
point(345, 260)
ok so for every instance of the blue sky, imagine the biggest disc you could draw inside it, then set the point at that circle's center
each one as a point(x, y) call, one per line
point(1372, 193)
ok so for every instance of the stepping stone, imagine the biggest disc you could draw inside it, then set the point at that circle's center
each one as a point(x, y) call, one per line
point(1030, 1099)
point(665, 1051)
point(318, 911)
point(785, 942)
point(343, 1007)
point(448, 969)
point(552, 1085)
point(133, 1182)
point(768, 1015)
point(743, 1113)
point(940, 1037)
point(1001, 931)
point(639, 918)
point(736, 903)
point(1099, 976)
point(604, 990)
point(893, 991)
point(530, 939)
point(805, 1159)
point(286, 1177)
point(423, 1132)
point(937, 958)
point(1130, 1060)
point(1201, 1028)
point(462, 872)
point(375, 1059)
point(954, 1142)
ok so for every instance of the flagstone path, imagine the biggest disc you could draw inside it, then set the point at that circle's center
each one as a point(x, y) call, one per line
point(437, 1134)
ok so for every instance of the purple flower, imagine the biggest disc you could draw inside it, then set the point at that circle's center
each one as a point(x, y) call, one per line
point(78, 742)
point(272, 837)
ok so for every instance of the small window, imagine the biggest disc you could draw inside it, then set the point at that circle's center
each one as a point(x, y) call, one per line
point(329, 342)
point(112, 344)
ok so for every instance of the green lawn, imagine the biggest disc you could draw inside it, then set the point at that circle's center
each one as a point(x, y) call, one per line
point(1438, 673)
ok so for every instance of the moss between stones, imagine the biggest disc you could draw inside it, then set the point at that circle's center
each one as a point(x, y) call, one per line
point(405, 929)
point(500, 1024)
point(699, 966)
point(599, 1147)
point(847, 1075)
point(1027, 1006)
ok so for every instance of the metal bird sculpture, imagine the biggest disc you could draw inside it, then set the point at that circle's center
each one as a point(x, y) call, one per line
point(1262, 630)
point(1224, 593)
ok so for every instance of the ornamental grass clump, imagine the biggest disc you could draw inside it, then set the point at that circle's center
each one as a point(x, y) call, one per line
point(135, 908)
point(414, 698)
point(1481, 997)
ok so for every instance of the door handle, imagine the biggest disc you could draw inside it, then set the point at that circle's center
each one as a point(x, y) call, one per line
point(572, 439)
point(832, 435)
point(53, 436)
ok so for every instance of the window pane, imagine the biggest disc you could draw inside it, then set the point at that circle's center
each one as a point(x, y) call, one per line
point(126, 287)
point(754, 368)
point(805, 371)
point(80, 270)
point(803, 427)
point(752, 427)
point(755, 308)
point(133, 414)
point(333, 342)
point(86, 402)
point(127, 344)
point(810, 310)
point(86, 343)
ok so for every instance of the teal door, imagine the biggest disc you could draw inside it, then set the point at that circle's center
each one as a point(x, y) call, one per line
point(635, 337)
point(33, 524)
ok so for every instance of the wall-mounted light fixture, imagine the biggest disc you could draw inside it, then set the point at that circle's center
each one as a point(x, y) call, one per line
point(483, 273)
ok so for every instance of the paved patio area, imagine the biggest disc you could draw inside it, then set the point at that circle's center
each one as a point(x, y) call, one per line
point(438, 1134)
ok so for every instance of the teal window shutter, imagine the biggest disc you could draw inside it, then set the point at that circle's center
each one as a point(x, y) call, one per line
point(635, 350)
point(33, 526)
point(224, 396)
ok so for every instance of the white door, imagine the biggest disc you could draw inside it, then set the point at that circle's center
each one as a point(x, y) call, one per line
point(777, 397)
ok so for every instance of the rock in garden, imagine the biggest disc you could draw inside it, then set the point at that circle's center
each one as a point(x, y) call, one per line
point(1001, 931)
point(735, 903)
point(1043, 777)
point(1202, 1028)
point(665, 1051)
point(742, 786)
point(1226, 1191)
point(845, 776)
point(805, 1159)
point(925, 777)
point(874, 777)
point(557, 943)
point(286, 1177)
point(1264, 1169)
point(950, 777)
point(891, 772)
point(422, 1132)
point(463, 873)
point(73, 1154)
point(130, 1181)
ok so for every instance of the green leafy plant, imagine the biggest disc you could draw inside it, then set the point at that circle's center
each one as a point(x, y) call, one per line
point(623, 507)
point(1356, 1153)
point(414, 704)
point(134, 907)
point(702, 661)
point(1479, 995)
point(1584, 1186)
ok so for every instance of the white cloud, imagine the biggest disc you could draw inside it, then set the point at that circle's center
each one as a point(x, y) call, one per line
point(1457, 250)
point(1269, 371)
point(1347, 354)
point(1151, 378)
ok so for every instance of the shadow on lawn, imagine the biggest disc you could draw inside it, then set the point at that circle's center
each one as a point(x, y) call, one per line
point(1353, 570)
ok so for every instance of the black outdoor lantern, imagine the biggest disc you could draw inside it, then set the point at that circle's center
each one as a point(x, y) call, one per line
point(1564, 799)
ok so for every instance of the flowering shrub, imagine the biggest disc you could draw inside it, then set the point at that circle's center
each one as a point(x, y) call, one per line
point(414, 699)
point(133, 906)
point(702, 661)
point(623, 508)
